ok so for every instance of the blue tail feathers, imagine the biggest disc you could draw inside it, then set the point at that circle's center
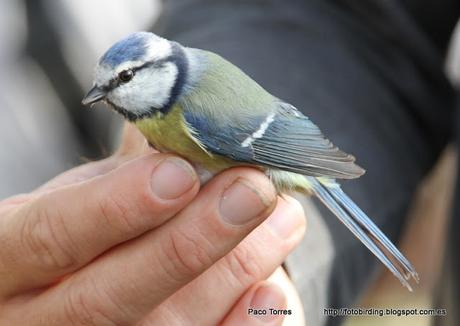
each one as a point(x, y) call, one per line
point(332, 196)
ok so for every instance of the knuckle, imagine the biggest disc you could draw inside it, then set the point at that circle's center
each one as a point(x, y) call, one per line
point(118, 213)
point(243, 265)
point(80, 308)
point(47, 238)
point(77, 309)
point(187, 253)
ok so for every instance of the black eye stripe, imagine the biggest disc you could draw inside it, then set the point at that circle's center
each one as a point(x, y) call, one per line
point(114, 82)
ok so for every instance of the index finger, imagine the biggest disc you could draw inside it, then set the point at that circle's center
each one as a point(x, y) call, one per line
point(141, 274)
point(62, 230)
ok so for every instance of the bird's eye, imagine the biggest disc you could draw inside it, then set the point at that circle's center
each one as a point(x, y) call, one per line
point(126, 75)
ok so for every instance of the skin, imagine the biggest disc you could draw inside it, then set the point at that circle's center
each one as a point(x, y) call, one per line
point(98, 246)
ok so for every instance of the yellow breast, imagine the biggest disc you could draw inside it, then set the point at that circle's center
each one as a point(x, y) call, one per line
point(170, 133)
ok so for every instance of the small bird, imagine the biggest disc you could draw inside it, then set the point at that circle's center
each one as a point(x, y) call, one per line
point(200, 106)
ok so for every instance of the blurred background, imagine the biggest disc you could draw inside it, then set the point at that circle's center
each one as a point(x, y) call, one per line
point(48, 50)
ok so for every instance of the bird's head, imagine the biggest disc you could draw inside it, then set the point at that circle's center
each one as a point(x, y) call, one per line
point(139, 75)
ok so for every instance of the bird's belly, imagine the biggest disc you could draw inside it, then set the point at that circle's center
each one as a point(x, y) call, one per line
point(169, 133)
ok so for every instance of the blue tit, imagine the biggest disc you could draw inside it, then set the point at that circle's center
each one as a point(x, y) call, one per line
point(200, 106)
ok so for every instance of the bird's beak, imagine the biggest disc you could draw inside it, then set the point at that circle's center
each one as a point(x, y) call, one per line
point(94, 95)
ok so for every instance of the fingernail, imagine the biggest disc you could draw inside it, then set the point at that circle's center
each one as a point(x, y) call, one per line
point(267, 301)
point(283, 222)
point(240, 203)
point(172, 178)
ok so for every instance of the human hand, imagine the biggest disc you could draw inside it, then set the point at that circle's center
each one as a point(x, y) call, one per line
point(210, 298)
point(106, 243)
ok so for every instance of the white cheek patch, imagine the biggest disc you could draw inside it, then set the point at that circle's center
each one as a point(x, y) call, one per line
point(150, 88)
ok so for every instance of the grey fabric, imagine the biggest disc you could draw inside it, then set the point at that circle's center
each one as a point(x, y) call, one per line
point(310, 265)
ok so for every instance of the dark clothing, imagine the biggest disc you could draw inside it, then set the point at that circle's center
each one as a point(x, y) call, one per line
point(369, 73)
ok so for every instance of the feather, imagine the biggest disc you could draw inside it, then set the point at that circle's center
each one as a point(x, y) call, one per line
point(332, 196)
point(283, 138)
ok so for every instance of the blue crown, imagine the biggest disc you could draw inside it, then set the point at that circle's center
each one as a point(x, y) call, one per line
point(131, 48)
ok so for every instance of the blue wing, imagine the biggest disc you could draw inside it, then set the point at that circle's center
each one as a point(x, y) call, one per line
point(282, 138)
